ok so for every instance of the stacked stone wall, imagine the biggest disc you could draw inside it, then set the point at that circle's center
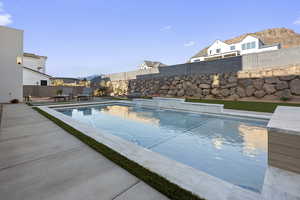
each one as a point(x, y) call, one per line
point(219, 86)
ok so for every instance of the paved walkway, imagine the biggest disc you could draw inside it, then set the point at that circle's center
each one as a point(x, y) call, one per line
point(39, 160)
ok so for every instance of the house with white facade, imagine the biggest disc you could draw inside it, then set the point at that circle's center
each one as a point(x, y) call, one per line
point(151, 64)
point(220, 49)
point(11, 52)
point(34, 70)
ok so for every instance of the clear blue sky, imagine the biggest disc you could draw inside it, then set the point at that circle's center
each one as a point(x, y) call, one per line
point(84, 37)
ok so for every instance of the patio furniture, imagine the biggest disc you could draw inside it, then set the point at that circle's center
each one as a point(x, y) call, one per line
point(63, 97)
point(86, 94)
point(67, 94)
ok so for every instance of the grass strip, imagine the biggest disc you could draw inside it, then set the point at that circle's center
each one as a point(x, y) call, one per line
point(156, 181)
point(245, 105)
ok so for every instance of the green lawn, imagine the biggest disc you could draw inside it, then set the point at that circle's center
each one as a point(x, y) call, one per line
point(245, 105)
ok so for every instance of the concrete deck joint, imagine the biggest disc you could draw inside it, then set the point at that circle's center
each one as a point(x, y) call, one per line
point(40, 158)
point(127, 189)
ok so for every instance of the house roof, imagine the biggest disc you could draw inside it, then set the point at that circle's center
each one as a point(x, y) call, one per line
point(154, 63)
point(241, 39)
point(33, 55)
point(37, 72)
point(217, 41)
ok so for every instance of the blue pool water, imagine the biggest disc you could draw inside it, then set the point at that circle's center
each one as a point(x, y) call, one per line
point(232, 149)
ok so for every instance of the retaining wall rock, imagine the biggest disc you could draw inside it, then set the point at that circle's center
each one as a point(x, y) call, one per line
point(220, 86)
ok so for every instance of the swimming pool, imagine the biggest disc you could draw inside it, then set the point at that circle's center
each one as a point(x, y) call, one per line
point(230, 148)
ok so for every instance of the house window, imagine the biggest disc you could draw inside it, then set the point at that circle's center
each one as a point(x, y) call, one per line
point(44, 82)
point(232, 47)
point(248, 45)
point(243, 46)
point(218, 50)
point(210, 52)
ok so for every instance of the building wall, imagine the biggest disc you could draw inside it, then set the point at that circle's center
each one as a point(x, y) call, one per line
point(217, 45)
point(38, 64)
point(11, 47)
point(33, 78)
point(257, 48)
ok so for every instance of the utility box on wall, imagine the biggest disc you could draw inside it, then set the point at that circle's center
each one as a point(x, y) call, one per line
point(11, 58)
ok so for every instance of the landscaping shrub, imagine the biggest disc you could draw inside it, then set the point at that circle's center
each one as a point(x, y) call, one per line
point(285, 98)
point(59, 92)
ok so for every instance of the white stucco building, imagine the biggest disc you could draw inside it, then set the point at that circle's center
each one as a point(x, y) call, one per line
point(11, 52)
point(249, 44)
point(34, 70)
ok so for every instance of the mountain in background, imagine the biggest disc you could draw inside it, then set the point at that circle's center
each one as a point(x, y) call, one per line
point(286, 37)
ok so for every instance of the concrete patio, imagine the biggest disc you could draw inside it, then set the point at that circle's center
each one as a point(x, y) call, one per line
point(39, 160)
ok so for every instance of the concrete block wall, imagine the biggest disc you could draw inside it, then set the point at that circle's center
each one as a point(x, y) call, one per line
point(277, 58)
point(233, 64)
point(226, 65)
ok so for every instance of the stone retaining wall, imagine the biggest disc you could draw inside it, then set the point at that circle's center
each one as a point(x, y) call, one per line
point(220, 86)
point(270, 72)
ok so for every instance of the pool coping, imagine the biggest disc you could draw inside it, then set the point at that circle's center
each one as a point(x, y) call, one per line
point(285, 120)
point(191, 179)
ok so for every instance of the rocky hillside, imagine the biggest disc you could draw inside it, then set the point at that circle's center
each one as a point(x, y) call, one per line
point(286, 37)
